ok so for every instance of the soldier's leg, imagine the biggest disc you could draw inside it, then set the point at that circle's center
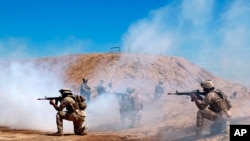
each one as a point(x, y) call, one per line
point(79, 127)
point(123, 115)
point(88, 98)
point(158, 95)
point(138, 116)
point(59, 119)
point(201, 114)
point(224, 120)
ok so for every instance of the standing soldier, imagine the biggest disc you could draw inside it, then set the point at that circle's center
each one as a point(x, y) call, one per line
point(75, 112)
point(130, 108)
point(215, 106)
point(85, 89)
point(108, 89)
point(159, 90)
point(136, 104)
point(125, 107)
point(100, 88)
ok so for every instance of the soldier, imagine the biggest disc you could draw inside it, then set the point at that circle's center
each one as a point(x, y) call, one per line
point(100, 88)
point(85, 89)
point(125, 107)
point(130, 108)
point(73, 113)
point(137, 107)
point(234, 95)
point(215, 106)
point(108, 89)
point(159, 90)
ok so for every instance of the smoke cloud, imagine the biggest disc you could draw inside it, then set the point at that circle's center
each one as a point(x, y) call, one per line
point(212, 34)
point(22, 83)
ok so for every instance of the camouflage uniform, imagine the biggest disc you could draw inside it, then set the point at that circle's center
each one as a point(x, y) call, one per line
point(85, 91)
point(77, 116)
point(137, 107)
point(130, 108)
point(219, 113)
point(100, 88)
point(159, 90)
point(125, 107)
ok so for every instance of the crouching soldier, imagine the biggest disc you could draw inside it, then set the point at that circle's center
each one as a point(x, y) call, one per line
point(75, 107)
point(215, 107)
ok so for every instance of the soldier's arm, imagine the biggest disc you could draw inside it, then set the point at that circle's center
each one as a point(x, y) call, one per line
point(54, 105)
point(200, 104)
point(61, 106)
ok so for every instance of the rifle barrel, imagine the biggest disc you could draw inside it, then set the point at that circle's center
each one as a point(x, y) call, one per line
point(171, 93)
point(41, 99)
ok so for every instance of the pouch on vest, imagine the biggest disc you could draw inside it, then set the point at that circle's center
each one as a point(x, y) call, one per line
point(221, 103)
point(80, 102)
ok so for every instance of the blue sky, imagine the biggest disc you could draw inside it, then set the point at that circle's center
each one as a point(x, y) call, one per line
point(83, 26)
point(210, 33)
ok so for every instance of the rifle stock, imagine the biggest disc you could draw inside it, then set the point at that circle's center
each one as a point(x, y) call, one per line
point(57, 99)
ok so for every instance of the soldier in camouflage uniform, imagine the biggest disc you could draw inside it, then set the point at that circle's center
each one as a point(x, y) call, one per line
point(72, 114)
point(159, 90)
point(215, 107)
point(125, 107)
point(136, 110)
point(130, 108)
point(85, 89)
point(100, 88)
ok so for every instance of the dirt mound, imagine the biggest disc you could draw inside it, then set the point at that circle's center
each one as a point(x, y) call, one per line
point(170, 118)
point(140, 71)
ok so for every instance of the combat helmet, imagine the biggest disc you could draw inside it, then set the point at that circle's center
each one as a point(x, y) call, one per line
point(85, 79)
point(65, 91)
point(130, 90)
point(207, 84)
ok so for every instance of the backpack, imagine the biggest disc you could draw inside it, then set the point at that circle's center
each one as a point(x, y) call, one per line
point(80, 102)
point(222, 102)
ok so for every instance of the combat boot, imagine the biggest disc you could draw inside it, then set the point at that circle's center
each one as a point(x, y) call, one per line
point(58, 133)
point(199, 133)
point(85, 130)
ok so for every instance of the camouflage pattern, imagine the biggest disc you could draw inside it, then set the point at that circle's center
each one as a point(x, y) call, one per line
point(77, 116)
point(85, 91)
point(136, 109)
point(159, 90)
point(100, 88)
point(221, 117)
point(130, 109)
point(125, 107)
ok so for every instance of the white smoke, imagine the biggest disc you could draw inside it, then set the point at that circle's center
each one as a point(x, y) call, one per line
point(210, 33)
point(103, 113)
point(22, 83)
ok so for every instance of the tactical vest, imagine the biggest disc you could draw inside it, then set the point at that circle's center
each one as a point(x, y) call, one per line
point(220, 102)
point(136, 102)
point(159, 89)
point(80, 103)
point(125, 103)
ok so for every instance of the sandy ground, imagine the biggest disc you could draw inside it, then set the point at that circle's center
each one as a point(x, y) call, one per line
point(170, 119)
point(179, 128)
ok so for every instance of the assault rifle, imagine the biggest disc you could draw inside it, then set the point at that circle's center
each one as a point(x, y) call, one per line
point(57, 99)
point(196, 92)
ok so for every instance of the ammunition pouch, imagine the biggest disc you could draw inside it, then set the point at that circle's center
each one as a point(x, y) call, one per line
point(221, 103)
